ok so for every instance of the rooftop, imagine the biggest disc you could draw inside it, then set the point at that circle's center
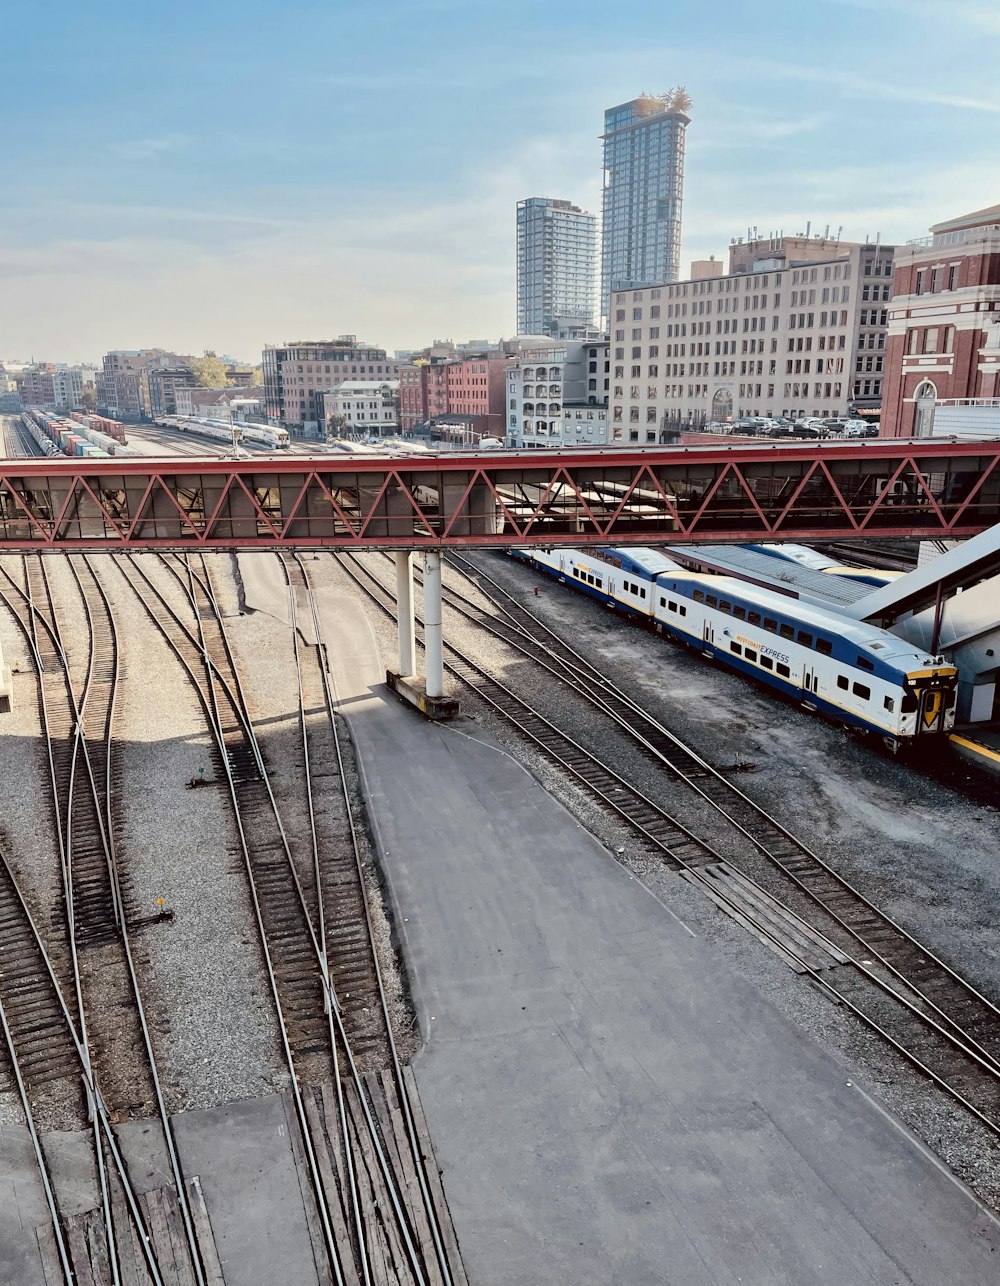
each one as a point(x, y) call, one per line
point(977, 219)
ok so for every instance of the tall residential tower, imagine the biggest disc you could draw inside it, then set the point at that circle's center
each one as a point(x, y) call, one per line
point(643, 190)
point(556, 268)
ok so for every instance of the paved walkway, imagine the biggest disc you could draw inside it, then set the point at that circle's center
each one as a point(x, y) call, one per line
point(609, 1103)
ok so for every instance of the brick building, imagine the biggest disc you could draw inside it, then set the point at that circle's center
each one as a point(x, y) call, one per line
point(297, 375)
point(469, 389)
point(942, 344)
point(36, 386)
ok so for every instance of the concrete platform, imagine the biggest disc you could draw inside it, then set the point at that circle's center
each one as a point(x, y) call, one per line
point(979, 745)
point(608, 1101)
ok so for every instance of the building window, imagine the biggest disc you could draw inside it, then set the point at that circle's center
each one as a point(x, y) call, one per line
point(953, 277)
point(920, 282)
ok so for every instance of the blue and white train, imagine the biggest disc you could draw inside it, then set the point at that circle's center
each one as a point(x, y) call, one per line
point(852, 672)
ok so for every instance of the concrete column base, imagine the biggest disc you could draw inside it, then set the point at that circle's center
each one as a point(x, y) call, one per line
point(412, 689)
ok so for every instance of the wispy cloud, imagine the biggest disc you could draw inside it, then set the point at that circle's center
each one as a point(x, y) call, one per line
point(981, 16)
point(877, 89)
point(146, 149)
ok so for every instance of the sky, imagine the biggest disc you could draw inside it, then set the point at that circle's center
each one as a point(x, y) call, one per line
point(222, 175)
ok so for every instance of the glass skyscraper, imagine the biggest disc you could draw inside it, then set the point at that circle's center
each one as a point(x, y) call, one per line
point(556, 268)
point(643, 190)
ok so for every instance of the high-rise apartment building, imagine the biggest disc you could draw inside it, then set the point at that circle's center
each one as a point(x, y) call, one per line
point(297, 375)
point(643, 190)
point(556, 267)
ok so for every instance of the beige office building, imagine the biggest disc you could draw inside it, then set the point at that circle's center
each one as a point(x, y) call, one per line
point(796, 327)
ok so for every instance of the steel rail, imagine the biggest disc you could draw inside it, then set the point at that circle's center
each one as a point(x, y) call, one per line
point(584, 675)
point(80, 749)
point(176, 1168)
point(354, 1193)
point(859, 965)
point(385, 1168)
point(332, 706)
point(237, 702)
point(329, 1237)
point(80, 1037)
point(36, 1145)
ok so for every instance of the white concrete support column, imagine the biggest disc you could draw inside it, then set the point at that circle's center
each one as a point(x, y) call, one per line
point(405, 620)
point(433, 655)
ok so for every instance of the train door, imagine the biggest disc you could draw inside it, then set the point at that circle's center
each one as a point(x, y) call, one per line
point(707, 636)
point(932, 708)
point(810, 686)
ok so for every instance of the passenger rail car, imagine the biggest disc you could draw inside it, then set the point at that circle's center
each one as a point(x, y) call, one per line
point(854, 673)
point(222, 430)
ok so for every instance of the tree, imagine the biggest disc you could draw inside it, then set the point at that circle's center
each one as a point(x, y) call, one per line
point(336, 425)
point(88, 398)
point(257, 377)
point(209, 371)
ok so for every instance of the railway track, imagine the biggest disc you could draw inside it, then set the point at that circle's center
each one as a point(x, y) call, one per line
point(927, 1012)
point(374, 1221)
point(950, 996)
point(98, 995)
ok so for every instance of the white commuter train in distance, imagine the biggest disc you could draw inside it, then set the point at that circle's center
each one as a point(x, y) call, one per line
point(222, 430)
point(854, 673)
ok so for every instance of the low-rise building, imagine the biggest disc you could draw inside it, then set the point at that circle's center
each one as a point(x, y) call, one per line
point(364, 406)
point(464, 391)
point(796, 327)
point(36, 385)
point(160, 385)
point(557, 395)
point(120, 385)
point(944, 326)
point(297, 376)
point(67, 389)
point(220, 403)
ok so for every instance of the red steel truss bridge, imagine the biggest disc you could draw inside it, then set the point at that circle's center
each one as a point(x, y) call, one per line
point(929, 488)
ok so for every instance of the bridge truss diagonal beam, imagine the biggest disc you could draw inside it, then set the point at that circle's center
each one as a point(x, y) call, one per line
point(928, 488)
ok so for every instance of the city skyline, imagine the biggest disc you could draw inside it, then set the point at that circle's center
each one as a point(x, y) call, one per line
point(228, 194)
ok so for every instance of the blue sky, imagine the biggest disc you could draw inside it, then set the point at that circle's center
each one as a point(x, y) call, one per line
point(226, 175)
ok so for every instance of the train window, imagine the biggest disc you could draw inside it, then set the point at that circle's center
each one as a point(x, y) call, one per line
point(642, 593)
point(711, 600)
point(909, 703)
point(770, 624)
point(865, 664)
point(753, 618)
point(617, 562)
point(889, 703)
point(805, 639)
point(684, 610)
point(787, 632)
point(725, 605)
point(824, 646)
point(663, 602)
point(767, 663)
point(672, 606)
point(842, 682)
point(739, 612)
point(783, 670)
point(735, 647)
point(699, 596)
point(862, 690)
point(750, 654)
